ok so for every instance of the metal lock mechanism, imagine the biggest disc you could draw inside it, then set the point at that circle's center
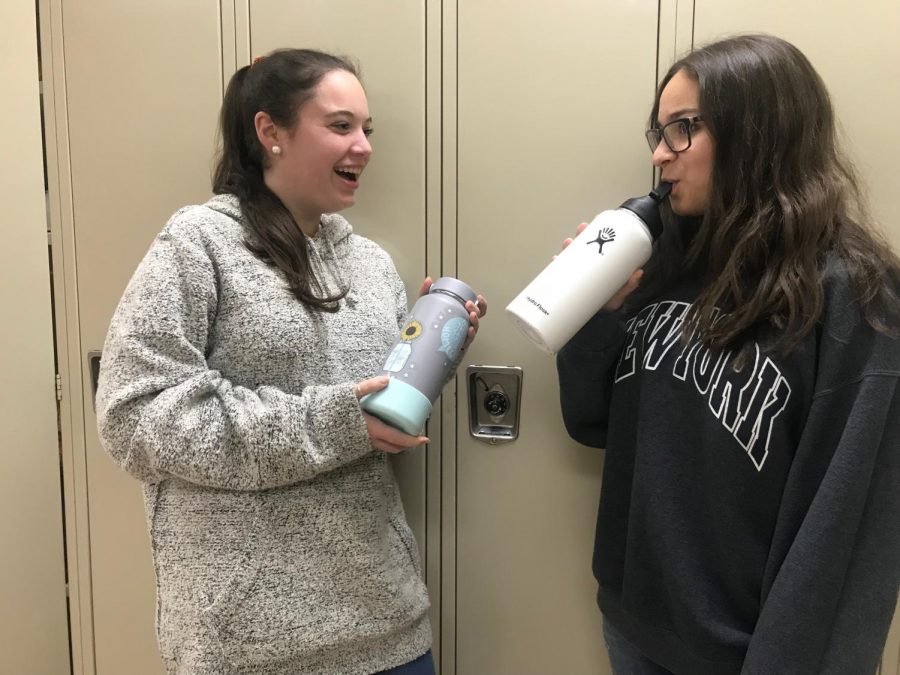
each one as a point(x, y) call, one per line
point(496, 403)
point(495, 395)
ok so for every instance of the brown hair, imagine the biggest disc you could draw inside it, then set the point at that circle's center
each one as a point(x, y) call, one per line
point(278, 84)
point(782, 197)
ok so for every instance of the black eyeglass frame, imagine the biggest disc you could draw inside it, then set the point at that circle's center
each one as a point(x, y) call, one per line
point(659, 134)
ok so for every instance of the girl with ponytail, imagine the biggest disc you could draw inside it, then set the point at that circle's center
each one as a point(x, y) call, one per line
point(230, 386)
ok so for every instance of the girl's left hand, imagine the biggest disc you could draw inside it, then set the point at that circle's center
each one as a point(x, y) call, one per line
point(381, 436)
point(476, 311)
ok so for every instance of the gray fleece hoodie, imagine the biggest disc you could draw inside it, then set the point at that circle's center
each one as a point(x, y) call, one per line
point(279, 540)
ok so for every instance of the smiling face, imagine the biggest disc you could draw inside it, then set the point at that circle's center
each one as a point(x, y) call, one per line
point(689, 171)
point(322, 157)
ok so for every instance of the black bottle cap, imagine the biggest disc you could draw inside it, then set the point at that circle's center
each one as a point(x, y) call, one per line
point(647, 208)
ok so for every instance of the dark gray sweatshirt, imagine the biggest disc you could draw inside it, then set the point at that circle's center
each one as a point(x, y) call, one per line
point(749, 521)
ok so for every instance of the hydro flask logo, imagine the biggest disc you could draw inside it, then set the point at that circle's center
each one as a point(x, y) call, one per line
point(607, 234)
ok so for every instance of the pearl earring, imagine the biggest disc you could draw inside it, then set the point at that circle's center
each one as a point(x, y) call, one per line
point(276, 149)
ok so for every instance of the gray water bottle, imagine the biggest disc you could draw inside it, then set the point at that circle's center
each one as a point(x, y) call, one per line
point(423, 357)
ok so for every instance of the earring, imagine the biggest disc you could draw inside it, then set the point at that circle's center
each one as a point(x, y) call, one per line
point(276, 149)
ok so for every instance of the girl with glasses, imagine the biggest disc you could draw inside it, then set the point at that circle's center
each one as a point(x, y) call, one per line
point(745, 387)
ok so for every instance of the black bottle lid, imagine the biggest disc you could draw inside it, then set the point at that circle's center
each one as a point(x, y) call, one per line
point(647, 208)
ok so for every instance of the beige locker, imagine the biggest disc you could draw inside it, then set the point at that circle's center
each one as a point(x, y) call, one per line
point(33, 621)
point(137, 88)
point(391, 205)
point(398, 205)
point(551, 111)
point(139, 135)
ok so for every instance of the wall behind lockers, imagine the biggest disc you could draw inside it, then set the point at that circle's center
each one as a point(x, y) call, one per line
point(500, 124)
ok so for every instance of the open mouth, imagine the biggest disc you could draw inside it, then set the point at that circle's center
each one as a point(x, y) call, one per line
point(349, 173)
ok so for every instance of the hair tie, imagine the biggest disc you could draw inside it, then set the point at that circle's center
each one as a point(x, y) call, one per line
point(257, 60)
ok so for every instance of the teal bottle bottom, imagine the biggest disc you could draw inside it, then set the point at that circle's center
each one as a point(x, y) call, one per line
point(401, 405)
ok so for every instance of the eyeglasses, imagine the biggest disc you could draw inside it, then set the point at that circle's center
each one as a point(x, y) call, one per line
point(676, 134)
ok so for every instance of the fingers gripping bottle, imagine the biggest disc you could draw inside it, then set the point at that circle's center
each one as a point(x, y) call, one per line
point(589, 271)
point(423, 357)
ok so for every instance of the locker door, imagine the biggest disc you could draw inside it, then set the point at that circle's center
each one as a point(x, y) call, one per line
point(398, 204)
point(33, 622)
point(388, 41)
point(141, 92)
point(552, 105)
point(138, 95)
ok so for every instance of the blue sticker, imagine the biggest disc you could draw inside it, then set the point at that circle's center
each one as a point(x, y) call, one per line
point(452, 337)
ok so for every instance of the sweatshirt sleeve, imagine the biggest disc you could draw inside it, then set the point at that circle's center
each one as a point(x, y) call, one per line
point(161, 411)
point(585, 368)
point(830, 601)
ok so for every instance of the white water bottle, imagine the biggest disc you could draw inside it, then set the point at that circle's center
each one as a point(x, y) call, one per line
point(588, 272)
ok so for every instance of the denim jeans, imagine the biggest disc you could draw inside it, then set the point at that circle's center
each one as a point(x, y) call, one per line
point(626, 659)
point(424, 665)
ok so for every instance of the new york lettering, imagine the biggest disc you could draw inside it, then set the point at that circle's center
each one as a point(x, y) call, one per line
point(745, 403)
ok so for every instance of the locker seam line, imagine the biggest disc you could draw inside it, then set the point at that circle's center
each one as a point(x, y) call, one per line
point(456, 435)
point(71, 182)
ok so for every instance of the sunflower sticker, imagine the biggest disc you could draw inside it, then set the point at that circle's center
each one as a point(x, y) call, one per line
point(411, 331)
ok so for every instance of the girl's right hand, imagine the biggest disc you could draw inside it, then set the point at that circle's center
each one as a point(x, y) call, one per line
point(381, 436)
point(578, 230)
point(616, 301)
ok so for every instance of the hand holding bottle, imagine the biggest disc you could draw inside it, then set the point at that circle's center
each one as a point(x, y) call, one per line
point(617, 300)
point(596, 273)
point(436, 332)
point(382, 436)
point(476, 310)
